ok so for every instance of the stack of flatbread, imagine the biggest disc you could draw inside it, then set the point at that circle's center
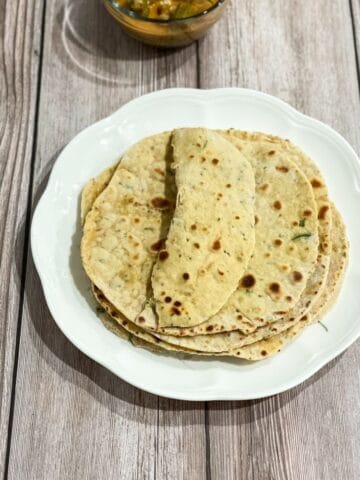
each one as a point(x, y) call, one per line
point(216, 243)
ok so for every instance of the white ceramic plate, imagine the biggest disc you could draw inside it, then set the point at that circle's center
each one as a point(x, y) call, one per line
point(55, 239)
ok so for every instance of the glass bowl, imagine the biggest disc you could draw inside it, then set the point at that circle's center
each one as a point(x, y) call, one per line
point(165, 33)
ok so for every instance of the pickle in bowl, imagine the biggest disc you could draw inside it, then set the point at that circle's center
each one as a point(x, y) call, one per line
point(166, 23)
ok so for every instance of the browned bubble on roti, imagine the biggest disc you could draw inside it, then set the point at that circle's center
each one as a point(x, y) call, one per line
point(316, 183)
point(248, 281)
point(323, 211)
point(275, 291)
point(163, 255)
point(159, 245)
point(297, 276)
point(161, 203)
point(216, 245)
point(282, 168)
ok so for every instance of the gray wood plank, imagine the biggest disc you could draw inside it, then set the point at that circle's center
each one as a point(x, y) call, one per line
point(355, 12)
point(299, 51)
point(178, 421)
point(302, 52)
point(19, 32)
point(82, 421)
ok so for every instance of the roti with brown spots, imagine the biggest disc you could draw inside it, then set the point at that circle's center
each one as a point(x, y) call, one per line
point(245, 334)
point(93, 189)
point(211, 236)
point(270, 345)
point(124, 230)
point(339, 259)
point(233, 319)
point(286, 247)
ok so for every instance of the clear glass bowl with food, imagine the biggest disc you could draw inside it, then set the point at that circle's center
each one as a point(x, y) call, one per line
point(166, 23)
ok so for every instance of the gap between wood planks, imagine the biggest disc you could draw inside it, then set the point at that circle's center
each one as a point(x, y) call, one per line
point(26, 244)
point(357, 60)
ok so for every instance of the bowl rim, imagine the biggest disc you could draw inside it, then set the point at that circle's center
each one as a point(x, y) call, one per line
point(136, 16)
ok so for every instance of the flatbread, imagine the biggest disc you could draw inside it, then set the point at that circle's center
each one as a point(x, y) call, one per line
point(269, 346)
point(201, 264)
point(124, 229)
point(306, 165)
point(93, 189)
point(285, 252)
point(232, 321)
point(225, 341)
point(286, 248)
point(338, 265)
point(339, 259)
point(312, 291)
point(133, 330)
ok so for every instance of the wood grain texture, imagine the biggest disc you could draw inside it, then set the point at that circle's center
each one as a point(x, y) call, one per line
point(72, 418)
point(304, 53)
point(19, 32)
point(82, 421)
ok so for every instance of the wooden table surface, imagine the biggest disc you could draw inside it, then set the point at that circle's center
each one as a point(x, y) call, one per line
point(63, 65)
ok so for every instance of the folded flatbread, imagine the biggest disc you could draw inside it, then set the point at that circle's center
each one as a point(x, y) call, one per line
point(211, 236)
